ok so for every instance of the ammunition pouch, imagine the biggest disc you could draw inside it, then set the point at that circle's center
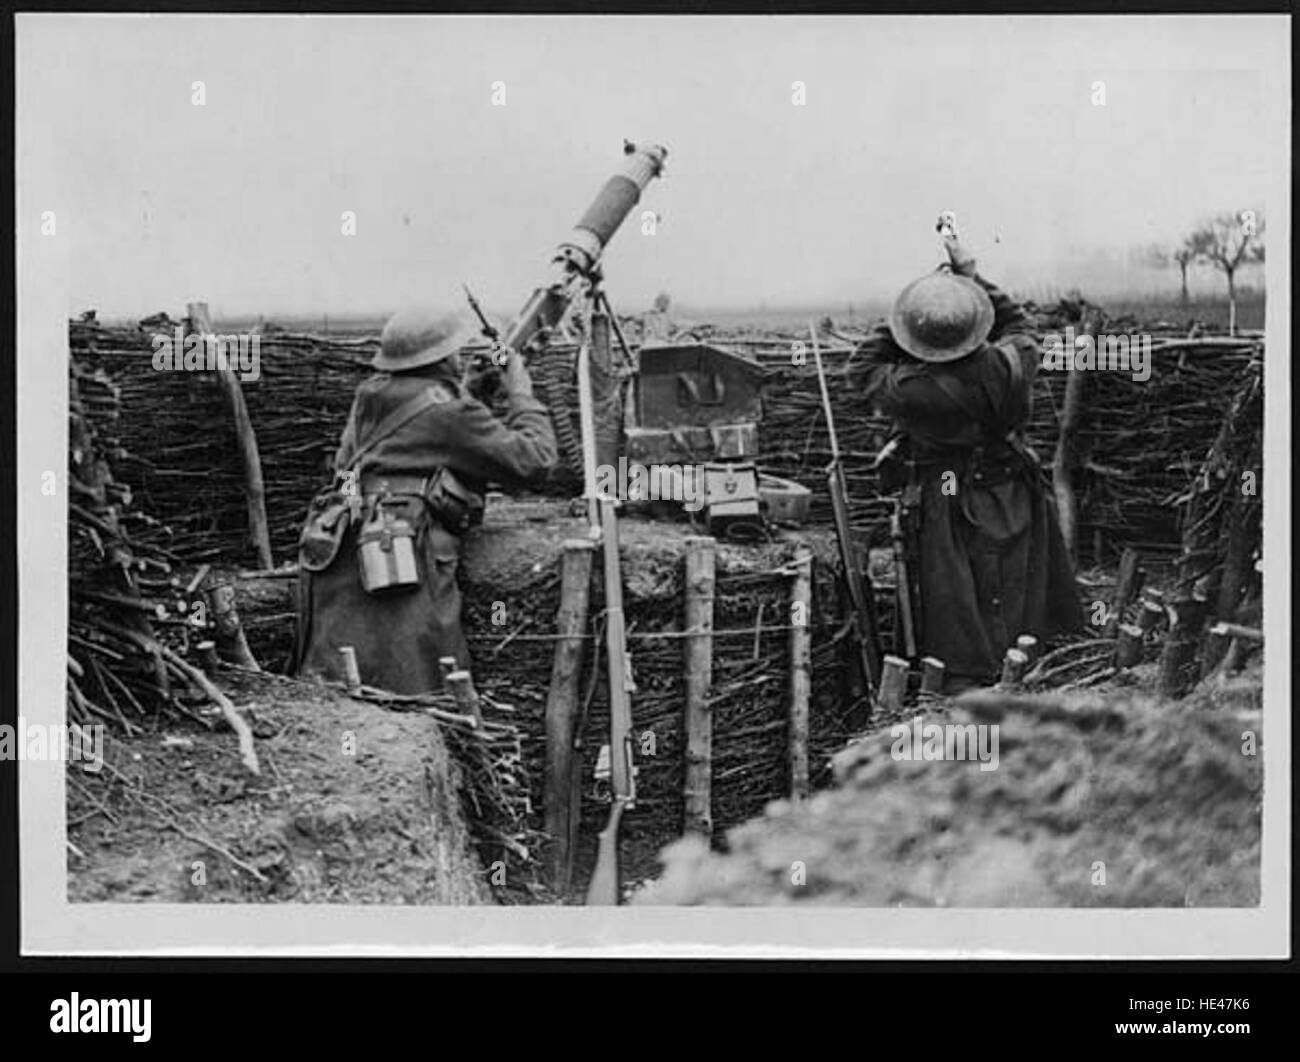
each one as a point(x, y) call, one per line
point(331, 515)
point(452, 503)
point(993, 469)
point(446, 499)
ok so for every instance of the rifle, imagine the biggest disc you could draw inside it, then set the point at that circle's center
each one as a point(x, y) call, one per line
point(902, 576)
point(862, 621)
point(603, 889)
point(485, 326)
point(900, 528)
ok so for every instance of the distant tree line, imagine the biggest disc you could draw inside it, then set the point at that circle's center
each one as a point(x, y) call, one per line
point(1225, 243)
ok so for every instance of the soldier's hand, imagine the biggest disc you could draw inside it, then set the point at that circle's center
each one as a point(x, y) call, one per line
point(483, 381)
point(517, 380)
point(962, 260)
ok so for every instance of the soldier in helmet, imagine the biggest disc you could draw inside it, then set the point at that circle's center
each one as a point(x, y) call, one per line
point(380, 548)
point(954, 368)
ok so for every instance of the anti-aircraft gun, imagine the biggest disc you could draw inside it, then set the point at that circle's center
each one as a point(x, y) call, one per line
point(575, 283)
point(575, 288)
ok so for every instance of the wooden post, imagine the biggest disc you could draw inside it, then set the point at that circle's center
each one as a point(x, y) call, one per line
point(893, 682)
point(254, 491)
point(350, 670)
point(1013, 667)
point(800, 669)
point(561, 804)
point(1028, 645)
point(207, 650)
point(231, 643)
point(1178, 670)
point(698, 648)
point(1064, 457)
point(1214, 647)
point(1129, 649)
point(462, 688)
point(932, 670)
point(1127, 583)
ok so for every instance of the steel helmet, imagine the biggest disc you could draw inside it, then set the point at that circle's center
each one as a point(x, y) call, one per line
point(941, 317)
point(420, 336)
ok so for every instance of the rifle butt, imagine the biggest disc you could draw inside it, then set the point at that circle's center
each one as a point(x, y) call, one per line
point(602, 890)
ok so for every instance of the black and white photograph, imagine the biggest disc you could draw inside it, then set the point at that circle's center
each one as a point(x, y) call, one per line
point(769, 485)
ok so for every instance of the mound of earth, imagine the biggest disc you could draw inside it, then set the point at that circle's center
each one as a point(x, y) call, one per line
point(1110, 799)
point(354, 803)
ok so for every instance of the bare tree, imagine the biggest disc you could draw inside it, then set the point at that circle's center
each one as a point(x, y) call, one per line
point(1227, 243)
point(1181, 256)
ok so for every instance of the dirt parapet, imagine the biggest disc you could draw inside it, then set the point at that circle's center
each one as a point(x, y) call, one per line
point(355, 804)
point(1112, 799)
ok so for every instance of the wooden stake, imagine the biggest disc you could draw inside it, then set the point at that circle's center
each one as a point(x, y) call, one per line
point(893, 682)
point(1129, 649)
point(800, 669)
point(462, 689)
point(254, 491)
point(208, 655)
point(1013, 667)
point(932, 670)
point(1064, 458)
point(1028, 645)
point(351, 672)
point(1127, 582)
point(1236, 630)
point(1178, 670)
point(231, 643)
point(698, 649)
point(561, 804)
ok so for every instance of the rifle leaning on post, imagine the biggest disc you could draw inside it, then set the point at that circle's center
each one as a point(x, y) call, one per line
point(901, 535)
point(862, 621)
point(603, 889)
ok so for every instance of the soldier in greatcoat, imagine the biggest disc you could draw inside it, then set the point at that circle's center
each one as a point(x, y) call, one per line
point(379, 552)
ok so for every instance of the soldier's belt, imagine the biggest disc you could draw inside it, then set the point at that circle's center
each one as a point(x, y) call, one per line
point(408, 485)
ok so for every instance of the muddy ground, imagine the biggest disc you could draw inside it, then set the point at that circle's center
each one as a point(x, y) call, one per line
point(1105, 798)
point(1102, 798)
point(354, 804)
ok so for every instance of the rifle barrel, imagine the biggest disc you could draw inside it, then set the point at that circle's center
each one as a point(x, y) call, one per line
point(826, 395)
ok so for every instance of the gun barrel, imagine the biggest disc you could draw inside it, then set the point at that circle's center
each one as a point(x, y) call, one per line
point(611, 207)
point(577, 255)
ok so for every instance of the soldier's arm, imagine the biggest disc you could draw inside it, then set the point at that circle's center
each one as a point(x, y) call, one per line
point(1009, 318)
point(520, 447)
point(347, 441)
point(874, 366)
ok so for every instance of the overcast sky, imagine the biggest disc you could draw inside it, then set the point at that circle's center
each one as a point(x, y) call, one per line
point(239, 201)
